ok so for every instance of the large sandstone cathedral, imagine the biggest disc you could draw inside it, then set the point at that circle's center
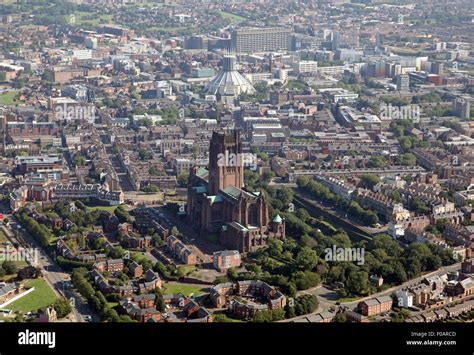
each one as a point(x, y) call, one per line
point(217, 202)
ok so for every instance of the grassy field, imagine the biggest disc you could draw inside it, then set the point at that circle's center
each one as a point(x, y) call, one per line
point(232, 17)
point(185, 289)
point(8, 98)
point(186, 269)
point(223, 318)
point(91, 19)
point(405, 51)
point(110, 209)
point(170, 30)
point(8, 278)
point(19, 263)
point(348, 299)
point(41, 297)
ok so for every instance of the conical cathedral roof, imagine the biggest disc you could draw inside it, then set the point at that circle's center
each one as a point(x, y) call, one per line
point(229, 81)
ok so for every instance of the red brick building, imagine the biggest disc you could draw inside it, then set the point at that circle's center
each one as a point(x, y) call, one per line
point(226, 259)
point(376, 306)
point(217, 202)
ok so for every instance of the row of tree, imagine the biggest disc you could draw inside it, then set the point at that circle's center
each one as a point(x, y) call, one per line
point(38, 231)
point(323, 193)
point(96, 299)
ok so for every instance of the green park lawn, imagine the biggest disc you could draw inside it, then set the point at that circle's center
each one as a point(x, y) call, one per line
point(223, 318)
point(110, 209)
point(41, 297)
point(232, 17)
point(348, 299)
point(8, 98)
point(186, 269)
point(91, 19)
point(185, 289)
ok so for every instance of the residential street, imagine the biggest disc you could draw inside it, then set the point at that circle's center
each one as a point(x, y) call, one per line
point(51, 271)
point(328, 298)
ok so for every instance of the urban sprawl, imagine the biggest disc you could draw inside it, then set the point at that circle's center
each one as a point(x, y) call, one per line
point(236, 161)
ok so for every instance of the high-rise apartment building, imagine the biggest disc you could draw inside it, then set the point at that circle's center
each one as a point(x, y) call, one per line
point(336, 41)
point(403, 82)
point(462, 107)
point(264, 39)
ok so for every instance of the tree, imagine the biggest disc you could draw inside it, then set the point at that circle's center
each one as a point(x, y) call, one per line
point(267, 316)
point(159, 301)
point(302, 214)
point(305, 304)
point(117, 252)
point(304, 280)
point(175, 231)
point(285, 195)
point(145, 154)
point(369, 180)
point(275, 247)
point(290, 311)
point(433, 262)
point(413, 266)
point(39, 231)
point(62, 307)
point(396, 196)
point(407, 159)
point(79, 160)
point(340, 318)
point(9, 267)
point(306, 259)
point(183, 179)
point(419, 206)
point(377, 161)
point(251, 179)
point(405, 143)
point(123, 215)
point(151, 188)
point(399, 274)
point(29, 272)
point(358, 283)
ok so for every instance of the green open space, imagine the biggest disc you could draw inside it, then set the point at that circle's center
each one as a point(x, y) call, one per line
point(41, 297)
point(186, 269)
point(232, 17)
point(8, 98)
point(91, 19)
point(185, 289)
point(110, 209)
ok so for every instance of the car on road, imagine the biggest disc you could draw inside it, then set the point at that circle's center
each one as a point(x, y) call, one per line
point(88, 318)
